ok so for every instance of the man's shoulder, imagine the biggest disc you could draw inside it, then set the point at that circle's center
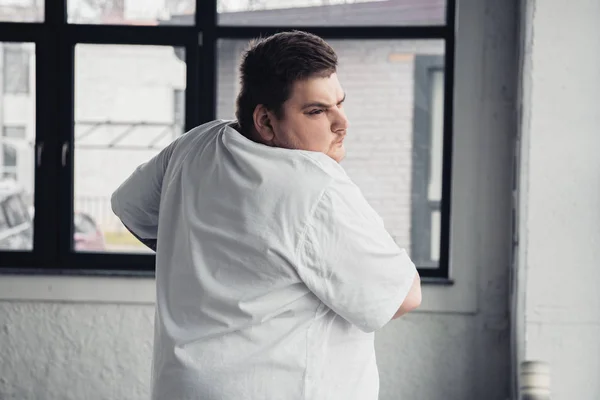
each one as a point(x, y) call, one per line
point(296, 175)
point(192, 138)
point(323, 165)
point(316, 181)
point(208, 127)
point(293, 171)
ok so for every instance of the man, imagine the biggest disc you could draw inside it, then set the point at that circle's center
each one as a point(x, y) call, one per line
point(272, 271)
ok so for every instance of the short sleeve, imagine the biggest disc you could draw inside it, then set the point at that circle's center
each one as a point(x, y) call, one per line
point(350, 262)
point(137, 200)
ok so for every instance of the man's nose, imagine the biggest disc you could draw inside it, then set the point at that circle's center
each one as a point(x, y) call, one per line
point(341, 123)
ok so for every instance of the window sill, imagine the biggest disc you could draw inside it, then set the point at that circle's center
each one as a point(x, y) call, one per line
point(80, 286)
point(437, 281)
point(77, 286)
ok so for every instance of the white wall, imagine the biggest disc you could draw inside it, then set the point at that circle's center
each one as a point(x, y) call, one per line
point(560, 194)
point(97, 346)
point(465, 355)
point(55, 351)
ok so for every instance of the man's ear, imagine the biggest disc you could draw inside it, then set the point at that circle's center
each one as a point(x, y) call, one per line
point(262, 124)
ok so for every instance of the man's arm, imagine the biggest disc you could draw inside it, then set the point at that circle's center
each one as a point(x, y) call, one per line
point(412, 299)
point(351, 263)
point(137, 200)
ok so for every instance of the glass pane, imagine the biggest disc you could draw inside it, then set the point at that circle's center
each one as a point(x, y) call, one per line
point(132, 12)
point(17, 139)
point(436, 79)
point(380, 142)
point(436, 230)
point(331, 12)
point(128, 107)
point(22, 10)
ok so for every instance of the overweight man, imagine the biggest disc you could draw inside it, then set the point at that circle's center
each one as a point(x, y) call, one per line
point(272, 270)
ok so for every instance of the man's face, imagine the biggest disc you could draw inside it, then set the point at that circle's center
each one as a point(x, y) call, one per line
point(313, 118)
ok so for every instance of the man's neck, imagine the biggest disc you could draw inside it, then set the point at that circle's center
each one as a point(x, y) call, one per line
point(247, 135)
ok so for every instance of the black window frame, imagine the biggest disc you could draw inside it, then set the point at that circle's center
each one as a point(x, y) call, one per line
point(55, 40)
point(422, 207)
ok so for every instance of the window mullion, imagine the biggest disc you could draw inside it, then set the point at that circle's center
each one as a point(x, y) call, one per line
point(47, 188)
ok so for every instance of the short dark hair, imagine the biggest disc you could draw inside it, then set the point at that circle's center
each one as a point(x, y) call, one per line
point(271, 66)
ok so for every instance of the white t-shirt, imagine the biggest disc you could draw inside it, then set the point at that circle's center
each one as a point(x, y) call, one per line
point(272, 271)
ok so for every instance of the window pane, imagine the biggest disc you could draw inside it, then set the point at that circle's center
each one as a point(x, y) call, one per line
point(22, 10)
point(132, 12)
point(14, 132)
point(331, 12)
point(16, 69)
point(127, 107)
point(436, 78)
point(436, 229)
point(17, 168)
point(379, 79)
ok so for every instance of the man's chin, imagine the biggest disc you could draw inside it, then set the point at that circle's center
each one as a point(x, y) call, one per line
point(339, 155)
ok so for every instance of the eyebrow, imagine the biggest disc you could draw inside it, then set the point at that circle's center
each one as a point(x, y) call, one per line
point(323, 105)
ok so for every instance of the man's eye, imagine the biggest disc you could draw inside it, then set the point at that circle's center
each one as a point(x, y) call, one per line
point(315, 112)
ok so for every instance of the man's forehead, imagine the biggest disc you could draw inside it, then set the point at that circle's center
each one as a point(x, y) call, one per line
point(318, 89)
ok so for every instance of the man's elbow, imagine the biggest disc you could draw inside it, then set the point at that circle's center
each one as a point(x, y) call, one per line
point(412, 300)
point(114, 204)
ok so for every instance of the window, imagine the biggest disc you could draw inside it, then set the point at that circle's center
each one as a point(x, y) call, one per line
point(16, 69)
point(178, 108)
point(331, 12)
point(129, 12)
point(427, 160)
point(3, 226)
point(9, 151)
point(22, 10)
point(9, 162)
point(382, 138)
point(14, 132)
point(16, 213)
point(122, 79)
point(17, 139)
point(16, 231)
point(122, 118)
